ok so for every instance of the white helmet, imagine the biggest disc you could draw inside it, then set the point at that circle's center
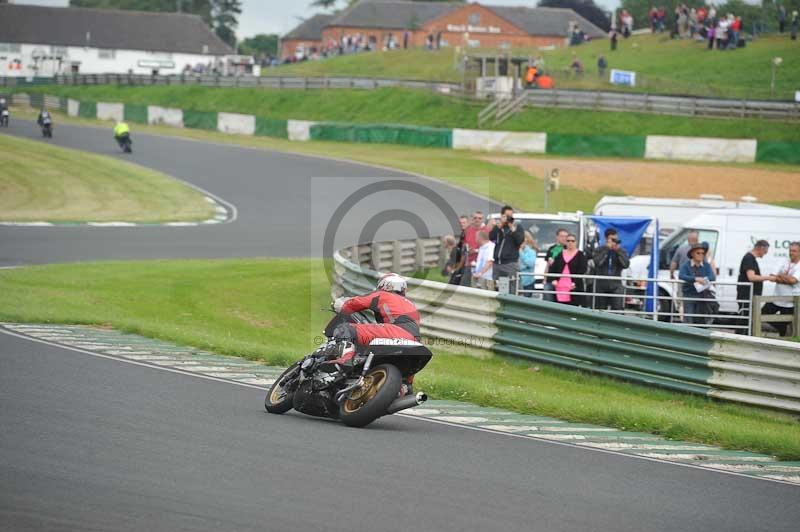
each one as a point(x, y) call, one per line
point(391, 282)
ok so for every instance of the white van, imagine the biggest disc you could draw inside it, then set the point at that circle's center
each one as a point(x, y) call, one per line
point(730, 234)
point(672, 213)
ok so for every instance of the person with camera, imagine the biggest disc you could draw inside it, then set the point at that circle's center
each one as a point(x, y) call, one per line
point(507, 237)
point(609, 261)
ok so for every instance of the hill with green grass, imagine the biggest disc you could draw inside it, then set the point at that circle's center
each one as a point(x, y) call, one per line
point(420, 107)
point(663, 66)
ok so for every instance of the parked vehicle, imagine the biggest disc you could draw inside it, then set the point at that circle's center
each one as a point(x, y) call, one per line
point(356, 386)
point(730, 234)
point(672, 213)
point(543, 227)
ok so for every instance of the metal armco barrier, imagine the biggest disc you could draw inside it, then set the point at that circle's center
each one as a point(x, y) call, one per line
point(669, 105)
point(720, 365)
point(270, 82)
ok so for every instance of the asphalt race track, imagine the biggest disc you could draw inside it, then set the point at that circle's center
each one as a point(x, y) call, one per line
point(88, 443)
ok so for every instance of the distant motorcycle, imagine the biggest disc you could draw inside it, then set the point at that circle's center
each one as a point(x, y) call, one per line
point(47, 128)
point(4, 116)
point(125, 142)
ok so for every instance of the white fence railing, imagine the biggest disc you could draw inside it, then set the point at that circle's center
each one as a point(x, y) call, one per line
point(668, 105)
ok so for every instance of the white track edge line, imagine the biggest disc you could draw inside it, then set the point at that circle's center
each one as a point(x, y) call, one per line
point(406, 416)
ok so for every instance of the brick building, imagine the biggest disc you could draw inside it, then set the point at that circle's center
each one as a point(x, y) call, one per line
point(305, 38)
point(417, 24)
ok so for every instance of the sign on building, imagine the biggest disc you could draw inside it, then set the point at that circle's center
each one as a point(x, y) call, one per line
point(622, 77)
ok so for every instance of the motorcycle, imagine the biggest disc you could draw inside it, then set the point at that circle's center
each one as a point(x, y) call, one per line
point(356, 386)
point(125, 142)
point(4, 117)
point(47, 128)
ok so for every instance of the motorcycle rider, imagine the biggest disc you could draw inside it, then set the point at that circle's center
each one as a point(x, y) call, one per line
point(396, 315)
point(44, 117)
point(121, 131)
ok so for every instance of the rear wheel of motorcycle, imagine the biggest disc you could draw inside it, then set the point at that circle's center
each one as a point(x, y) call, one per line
point(278, 400)
point(368, 403)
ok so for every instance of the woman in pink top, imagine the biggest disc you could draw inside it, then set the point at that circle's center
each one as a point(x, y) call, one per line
point(571, 261)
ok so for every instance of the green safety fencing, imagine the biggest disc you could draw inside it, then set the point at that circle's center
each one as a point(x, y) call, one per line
point(428, 137)
point(271, 127)
point(87, 110)
point(135, 113)
point(37, 100)
point(200, 119)
point(637, 350)
point(778, 152)
point(596, 145)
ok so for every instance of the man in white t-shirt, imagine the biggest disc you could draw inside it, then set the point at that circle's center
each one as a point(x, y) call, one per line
point(788, 284)
point(482, 267)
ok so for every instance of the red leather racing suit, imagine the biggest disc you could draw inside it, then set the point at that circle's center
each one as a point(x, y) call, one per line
point(397, 317)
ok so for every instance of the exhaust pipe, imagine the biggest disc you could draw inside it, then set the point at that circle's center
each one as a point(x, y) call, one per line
point(403, 403)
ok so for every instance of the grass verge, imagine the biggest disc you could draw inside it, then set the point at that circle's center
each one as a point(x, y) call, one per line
point(41, 182)
point(663, 66)
point(420, 107)
point(464, 169)
point(268, 309)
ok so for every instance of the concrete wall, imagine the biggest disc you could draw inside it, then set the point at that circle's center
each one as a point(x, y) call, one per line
point(73, 107)
point(164, 115)
point(110, 111)
point(300, 130)
point(700, 149)
point(236, 123)
point(499, 141)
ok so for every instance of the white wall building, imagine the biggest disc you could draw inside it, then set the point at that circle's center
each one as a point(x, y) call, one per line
point(43, 41)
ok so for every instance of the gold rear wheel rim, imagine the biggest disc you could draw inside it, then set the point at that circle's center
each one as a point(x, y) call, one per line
point(373, 382)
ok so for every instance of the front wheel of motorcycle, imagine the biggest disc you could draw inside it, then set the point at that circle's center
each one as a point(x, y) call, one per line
point(278, 399)
point(368, 403)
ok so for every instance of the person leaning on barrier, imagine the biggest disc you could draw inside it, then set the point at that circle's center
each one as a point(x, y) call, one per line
point(609, 261)
point(697, 276)
point(788, 284)
point(681, 254)
point(482, 267)
point(553, 252)
point(527, 264)
point(749, 272)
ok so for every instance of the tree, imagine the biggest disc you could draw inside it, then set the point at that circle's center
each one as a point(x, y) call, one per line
point(324, 4)
point(261, 44)
point(585, 8)
point(223, 19)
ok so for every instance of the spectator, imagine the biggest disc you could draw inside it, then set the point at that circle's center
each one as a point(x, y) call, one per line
point(612, 37)
point(461, 268)
point(609, 261)
point(571, 261)
point(749, 272)
point(681, 254)
point(735, 30)
point(471, 242)
point(553, 252)
point(602, 65)
point(482, 274)
point(788, 279)
point(781, 19)
point(693, 22)
point(508, 237)
point(454, 267)
point(527, 264)
point(711, 33)
point(576, 65)
point(652, 16)
point(697, 277)
point(795, 22)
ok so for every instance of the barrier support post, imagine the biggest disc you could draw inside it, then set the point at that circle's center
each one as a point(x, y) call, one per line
point(397, 255)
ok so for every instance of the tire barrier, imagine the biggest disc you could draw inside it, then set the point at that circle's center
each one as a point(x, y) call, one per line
point(724, 366)
point(636, 147)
